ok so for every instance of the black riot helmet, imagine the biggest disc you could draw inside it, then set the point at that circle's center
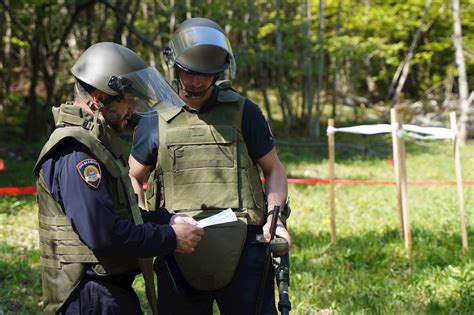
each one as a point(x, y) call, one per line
point(116, 70)
point(200, 46)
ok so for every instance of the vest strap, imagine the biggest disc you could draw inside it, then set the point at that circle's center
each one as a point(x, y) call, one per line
point(56, 264)
point(53, 249)
point(56, 220)
point(58, 235)
point(64, 117)
point(50, 263)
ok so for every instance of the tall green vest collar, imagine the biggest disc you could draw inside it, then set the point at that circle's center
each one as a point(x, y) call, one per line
point(71, 115)
point(90, 125)
point(225, 94)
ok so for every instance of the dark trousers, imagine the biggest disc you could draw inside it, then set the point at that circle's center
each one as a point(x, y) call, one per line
point(93, 296)
point(238, 297)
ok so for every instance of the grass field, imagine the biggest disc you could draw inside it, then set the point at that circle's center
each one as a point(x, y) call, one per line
point(368, 271)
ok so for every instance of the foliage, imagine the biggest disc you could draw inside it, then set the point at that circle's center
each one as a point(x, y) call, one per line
point(42, 39)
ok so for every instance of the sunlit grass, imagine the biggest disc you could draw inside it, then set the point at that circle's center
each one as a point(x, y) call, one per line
point(20, 285)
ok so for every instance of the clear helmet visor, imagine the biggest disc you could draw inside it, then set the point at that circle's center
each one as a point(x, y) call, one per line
point(148, 88)
point(200, 36)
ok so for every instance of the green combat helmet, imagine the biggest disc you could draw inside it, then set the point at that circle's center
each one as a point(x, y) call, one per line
point(200, 46)
point(116, 70)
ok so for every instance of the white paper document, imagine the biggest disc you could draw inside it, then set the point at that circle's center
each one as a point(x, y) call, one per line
point(224, 216)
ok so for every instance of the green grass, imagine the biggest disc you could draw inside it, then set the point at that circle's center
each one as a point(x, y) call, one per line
point(20, 285)
point(367, 272)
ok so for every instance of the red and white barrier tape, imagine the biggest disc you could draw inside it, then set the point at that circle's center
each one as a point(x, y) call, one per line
point(30, 190)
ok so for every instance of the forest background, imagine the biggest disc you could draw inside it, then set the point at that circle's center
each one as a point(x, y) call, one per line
point(303, 61)
point(308, 58)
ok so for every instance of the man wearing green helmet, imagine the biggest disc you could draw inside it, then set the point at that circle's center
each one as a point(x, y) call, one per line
point(205, 157)
point(93, 239)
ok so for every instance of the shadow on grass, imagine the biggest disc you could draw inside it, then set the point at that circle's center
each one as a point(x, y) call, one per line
point(372, 272)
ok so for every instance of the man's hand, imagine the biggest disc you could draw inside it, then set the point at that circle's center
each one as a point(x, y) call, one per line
point(280, 231)
point(187, 237)
point(182, 218)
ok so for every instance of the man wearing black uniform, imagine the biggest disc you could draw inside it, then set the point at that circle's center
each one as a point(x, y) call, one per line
point(206, 157)
point(92, 234)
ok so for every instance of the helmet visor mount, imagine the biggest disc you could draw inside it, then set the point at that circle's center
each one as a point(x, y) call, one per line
point(147, 87)
point(201, 36)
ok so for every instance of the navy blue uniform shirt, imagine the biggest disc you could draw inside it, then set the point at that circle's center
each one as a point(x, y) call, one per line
point(255, 130)
point(91, 212)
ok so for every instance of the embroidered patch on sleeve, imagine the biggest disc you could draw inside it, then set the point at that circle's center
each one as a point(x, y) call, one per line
point(89, 170)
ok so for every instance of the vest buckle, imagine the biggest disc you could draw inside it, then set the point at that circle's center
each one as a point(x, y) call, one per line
point(87, 124)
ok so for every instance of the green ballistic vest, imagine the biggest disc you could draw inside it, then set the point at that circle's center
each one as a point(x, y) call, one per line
point(62, 252)
point(203, 163)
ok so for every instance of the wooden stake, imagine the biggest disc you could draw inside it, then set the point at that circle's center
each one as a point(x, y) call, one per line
point(404, 190)
point(457, 164)
point(400, 143)
point(332, 197)
point(396, 167)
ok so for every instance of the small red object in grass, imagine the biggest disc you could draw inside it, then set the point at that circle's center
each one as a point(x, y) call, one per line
point(390, 162)
point(2, 165)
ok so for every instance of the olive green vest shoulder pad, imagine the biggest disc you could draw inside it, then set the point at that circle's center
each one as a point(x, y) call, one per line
point(83, 137)
point(226, 93)
point(168, 111)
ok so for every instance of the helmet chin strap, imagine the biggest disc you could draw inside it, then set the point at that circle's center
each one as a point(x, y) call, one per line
point(95, 106)
point(87, 98)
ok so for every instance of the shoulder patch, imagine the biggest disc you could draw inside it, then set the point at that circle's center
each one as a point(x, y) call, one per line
point(89, 170)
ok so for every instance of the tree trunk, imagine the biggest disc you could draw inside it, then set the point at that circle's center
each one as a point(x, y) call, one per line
point(145, 14)
point(262, 62)
point(284, 100)
point(120, 20)
point(368, 76)
point(33, 122)
point(159, 43)
point(6, 62)
point(264, 87)
point(462, 78)
point(172, 25)
point(188, 9)
point(90, 14)
point(401, 74)
point(336, 62)
point(227, 30)
point(133, 17)
point(314, 129)
point(448, 88)
point(101, 19)
point(308, 64)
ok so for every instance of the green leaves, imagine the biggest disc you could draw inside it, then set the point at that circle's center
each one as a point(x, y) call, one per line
point(15, 41)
